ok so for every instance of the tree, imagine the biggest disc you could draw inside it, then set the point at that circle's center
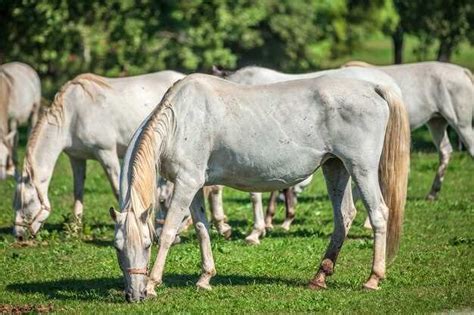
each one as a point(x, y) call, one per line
point(447, 21)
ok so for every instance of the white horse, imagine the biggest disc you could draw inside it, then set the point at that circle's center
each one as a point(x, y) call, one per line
point(209, 131)
point(20, 97)
point(92, 117)
point(254, 75)
point(436, 94)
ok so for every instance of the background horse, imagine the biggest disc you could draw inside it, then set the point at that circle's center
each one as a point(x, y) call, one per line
point(20, 98)
point(437, 95)
point(92, 117)
point(208, 131)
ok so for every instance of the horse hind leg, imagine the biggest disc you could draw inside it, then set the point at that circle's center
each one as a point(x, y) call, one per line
point(340, 192)
point(201, 226)
point(79, 175)
point(217, 210)
point(259, 224)
point(290, 203)
point(271, 209)
point(366, 178)
point(437, 127)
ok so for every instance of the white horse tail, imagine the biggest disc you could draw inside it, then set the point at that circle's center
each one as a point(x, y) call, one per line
point(469, 74)
point(394, 167)
point(357, 63)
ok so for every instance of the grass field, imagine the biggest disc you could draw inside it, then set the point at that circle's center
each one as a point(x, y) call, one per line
point(434, 271)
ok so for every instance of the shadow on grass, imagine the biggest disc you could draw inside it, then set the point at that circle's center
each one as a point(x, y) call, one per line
point(104, 288)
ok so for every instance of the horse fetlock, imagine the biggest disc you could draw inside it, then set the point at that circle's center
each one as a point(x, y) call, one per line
point(327, 266)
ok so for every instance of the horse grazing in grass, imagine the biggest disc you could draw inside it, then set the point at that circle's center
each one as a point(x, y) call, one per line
point(20, 98)
point(437, 95)
point(254, 75)
point(91, 117)
point(209, 131)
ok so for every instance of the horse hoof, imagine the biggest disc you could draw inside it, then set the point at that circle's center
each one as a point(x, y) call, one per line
point(431, 197)
point(252, 240)
point(269, 227)
point(286, 226)
point(227, 234)
point(203, 286)
point(317, 286)
point(370, 287)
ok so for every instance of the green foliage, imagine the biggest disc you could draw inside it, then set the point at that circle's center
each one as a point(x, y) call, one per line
point(62, 38)
point(448, 22)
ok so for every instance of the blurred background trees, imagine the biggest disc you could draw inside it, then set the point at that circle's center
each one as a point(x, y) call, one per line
point(62, 38)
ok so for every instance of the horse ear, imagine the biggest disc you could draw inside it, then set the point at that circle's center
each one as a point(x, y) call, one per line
point(113, 214)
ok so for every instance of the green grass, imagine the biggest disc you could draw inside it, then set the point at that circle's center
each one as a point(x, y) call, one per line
point(379, 51)
point(433, 272)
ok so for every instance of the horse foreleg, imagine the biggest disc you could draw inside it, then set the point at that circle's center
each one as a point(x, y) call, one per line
point(271, 210)
point(259, 224)
point(290, 198)
point(339, 189)
point(79, 175)
point(217, 210)
point(201, 225)
point(179, 209)
point(437, 127)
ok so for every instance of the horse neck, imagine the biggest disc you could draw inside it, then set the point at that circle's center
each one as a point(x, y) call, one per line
point(43, 154)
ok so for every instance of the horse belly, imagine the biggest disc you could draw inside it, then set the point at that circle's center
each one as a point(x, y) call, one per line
point(266, 168)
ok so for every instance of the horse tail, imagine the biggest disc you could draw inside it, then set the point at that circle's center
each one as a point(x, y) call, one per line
point(469, 74)
point(394, 167)
point(356, 63)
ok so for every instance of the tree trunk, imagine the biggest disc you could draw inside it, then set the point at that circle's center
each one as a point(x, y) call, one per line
point(397, 38)
point(445, 51)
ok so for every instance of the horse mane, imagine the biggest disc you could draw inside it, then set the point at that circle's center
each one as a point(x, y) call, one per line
point(144, 163)
point(356, 63)
point(56, 111)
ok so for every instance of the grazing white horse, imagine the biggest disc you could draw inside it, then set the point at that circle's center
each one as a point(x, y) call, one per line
point(436, 94)
point(92, 117)
point(209, 131)
point(20, 97)
point(254, 75)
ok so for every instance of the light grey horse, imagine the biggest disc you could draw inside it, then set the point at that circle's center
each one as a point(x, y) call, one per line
point(208, 131)
point(436, 94)
point(254, 75)
point(92, 117)
point(20, 97)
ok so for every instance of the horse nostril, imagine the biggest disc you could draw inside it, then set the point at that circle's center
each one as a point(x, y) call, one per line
point(19, 238)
